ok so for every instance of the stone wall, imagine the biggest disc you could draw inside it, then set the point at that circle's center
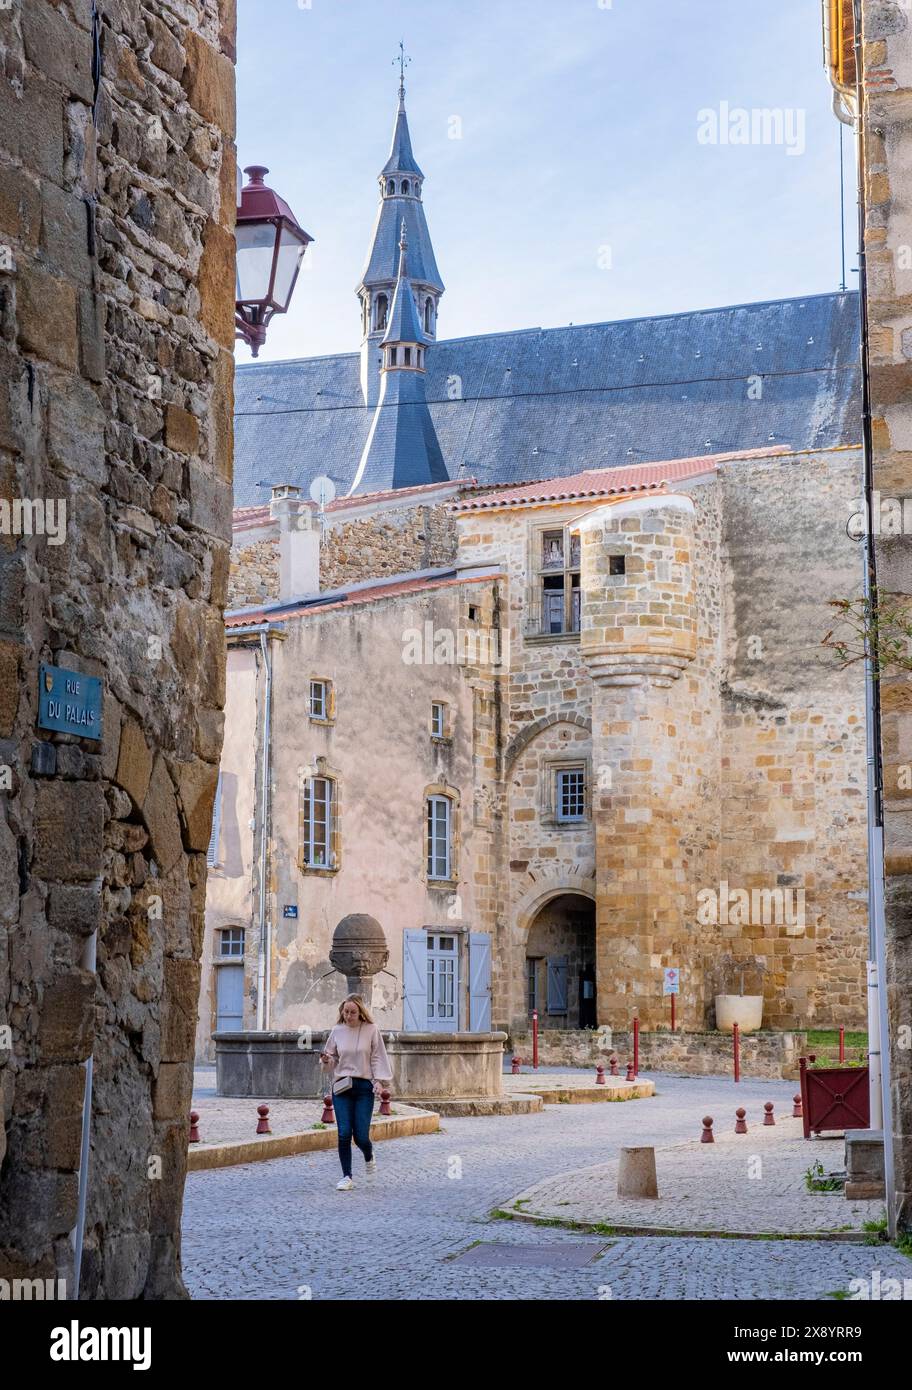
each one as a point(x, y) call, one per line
point(766, 1054)
point(117, 197)
point(887, 143)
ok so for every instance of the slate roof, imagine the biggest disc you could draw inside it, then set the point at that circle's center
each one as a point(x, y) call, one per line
point(545, 403)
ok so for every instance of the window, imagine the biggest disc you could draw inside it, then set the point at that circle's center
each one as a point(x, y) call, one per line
point(408, 356)
point(429, 315)
point(320, 705)
point(392, 360)
point(570, 794)
point(442, 964)
point(438, 720)
point(405, 185)
point(617, 564)
point(390, 186)
point(382, 311)
point(558, 568)
point(317, 812)
point(230, 942)
point(439, 837)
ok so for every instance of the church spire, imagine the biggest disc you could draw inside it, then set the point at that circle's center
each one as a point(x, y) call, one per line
point(401, 182)
point(402, 448)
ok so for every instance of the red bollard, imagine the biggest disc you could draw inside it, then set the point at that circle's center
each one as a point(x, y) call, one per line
point(842, 1044)
point(263, 1121)
point(796, 1107)
point(600, 1075)
point(768, 1113)
point(328, 1117)
point(707, 1137)
point(515, 1065)
point(535, 1039)
point(194, 1128)
point(636, 1048)
point(740, 1121)
point(613, 1061)
point(631, 1074)
point(736, 1050)
point(385, 1102)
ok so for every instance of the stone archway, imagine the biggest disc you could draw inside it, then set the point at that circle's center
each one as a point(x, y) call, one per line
point(560, 963)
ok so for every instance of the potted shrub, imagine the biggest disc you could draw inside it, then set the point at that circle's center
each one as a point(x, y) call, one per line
point(744, 1009)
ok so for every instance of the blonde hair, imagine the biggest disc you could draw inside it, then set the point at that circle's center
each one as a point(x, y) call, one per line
point(363, 1010)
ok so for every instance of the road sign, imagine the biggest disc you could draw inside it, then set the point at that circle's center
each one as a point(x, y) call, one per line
point(671, 982)
point(69, 702)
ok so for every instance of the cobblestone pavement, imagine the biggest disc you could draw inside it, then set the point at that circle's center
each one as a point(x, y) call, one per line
point(279, 1230)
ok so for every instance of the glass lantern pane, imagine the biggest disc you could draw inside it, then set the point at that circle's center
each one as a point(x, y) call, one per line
point(291, 249)
point(255, 248)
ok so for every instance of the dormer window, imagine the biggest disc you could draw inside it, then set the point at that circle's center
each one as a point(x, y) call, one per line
point(405, 185)
point(390, 187)
point(382, 311)
point(408, 356)
point(429, 315)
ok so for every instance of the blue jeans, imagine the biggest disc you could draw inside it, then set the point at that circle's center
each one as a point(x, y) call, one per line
point(354, 1109)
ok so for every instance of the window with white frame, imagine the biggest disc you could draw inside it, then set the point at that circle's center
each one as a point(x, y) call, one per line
point(230, 942)
point(570, 793)
point(442, 976)
point(439, 838)
point(438, 719)
point(317, 813)
point(320, 699)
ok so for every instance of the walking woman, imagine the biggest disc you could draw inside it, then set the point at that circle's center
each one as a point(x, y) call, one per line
point(361, 1069)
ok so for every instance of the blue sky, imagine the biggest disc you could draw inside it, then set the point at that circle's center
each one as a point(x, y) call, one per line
point(579, 132)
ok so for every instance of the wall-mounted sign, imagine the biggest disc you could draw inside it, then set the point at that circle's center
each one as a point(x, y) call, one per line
point(289, 910)
point(671, 981)
point(69, 702)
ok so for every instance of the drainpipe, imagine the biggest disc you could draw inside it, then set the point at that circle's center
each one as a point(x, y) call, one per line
point(77, 1235)
point(264, 974)
point(878, 1023)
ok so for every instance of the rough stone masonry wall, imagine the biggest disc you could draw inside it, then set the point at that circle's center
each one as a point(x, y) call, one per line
point(887, 142)
point(396, 541)
point(116, 337)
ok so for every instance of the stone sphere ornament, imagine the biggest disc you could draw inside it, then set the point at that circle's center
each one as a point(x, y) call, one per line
point(359, 951)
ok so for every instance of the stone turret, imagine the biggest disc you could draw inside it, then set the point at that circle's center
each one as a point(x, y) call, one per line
point(639, 637)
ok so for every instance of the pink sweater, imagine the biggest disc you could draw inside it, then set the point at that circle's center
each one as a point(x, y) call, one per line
point(358, 1051)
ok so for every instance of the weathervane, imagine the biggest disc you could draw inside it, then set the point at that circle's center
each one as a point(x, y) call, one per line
point(402, 60)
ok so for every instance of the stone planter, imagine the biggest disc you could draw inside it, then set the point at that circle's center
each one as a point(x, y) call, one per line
point(744, 1009)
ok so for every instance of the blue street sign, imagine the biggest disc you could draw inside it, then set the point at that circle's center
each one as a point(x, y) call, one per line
point(69, 702)
point(289, 911)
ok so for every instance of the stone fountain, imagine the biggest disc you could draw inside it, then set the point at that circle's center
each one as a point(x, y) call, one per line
point(455, 1073)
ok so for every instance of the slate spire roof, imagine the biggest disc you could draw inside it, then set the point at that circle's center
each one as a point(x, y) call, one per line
point(404, 324)
point(401, 160)
point(402, 448)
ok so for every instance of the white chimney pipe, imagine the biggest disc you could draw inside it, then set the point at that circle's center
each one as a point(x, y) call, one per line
point(299, 542)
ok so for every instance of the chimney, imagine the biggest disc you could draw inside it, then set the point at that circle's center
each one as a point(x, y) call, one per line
point(299, 542)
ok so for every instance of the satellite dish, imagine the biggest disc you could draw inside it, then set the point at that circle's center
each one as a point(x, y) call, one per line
point(322, 490)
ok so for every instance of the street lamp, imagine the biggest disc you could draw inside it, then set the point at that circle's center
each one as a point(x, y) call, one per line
point(270, 248)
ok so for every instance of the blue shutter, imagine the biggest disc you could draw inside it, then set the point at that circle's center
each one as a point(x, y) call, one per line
point(414, 982)
point(479, 982)
point(557, 985)
point(212, 852)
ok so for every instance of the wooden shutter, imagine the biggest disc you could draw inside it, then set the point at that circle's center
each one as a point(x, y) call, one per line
point(479, 982)
point(212, 851)
point(557, 985)
point(414, 982)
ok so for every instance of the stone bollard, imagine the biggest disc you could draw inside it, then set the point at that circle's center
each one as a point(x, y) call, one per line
point(328, 1117)
point(600, 1075)
point(194, 1128)
point(637, 1173)
point(631, 1074)
point(385, 1102)
point(263, 1121)
point(707, 1137)
point(515, 1065)
point(768, 1118)
point(796, 1107)
point(614, 1065)
point(740, 1121)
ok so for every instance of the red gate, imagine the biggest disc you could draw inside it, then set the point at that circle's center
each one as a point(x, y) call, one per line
point(834, 1098)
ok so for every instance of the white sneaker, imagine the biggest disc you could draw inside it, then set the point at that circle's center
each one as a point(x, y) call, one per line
point(345, 1185)
point(370, 1170)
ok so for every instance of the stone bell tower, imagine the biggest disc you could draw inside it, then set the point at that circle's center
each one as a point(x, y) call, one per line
point(639, 641)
